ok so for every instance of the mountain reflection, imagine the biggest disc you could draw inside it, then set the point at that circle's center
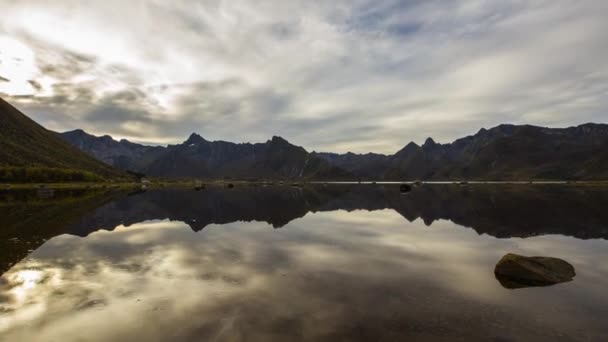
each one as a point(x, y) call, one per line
point(501, 211)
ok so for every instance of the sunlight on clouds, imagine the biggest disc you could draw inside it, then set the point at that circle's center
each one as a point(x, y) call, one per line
point(86, 33)
point(25, 284)
point(137, 126)
point(17, 65)
point(377, 217)
point(28, 279)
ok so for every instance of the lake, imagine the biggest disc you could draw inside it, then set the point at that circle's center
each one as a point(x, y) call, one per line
point(337, 262)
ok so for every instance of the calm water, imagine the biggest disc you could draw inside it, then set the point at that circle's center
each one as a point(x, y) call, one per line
point(329, 263)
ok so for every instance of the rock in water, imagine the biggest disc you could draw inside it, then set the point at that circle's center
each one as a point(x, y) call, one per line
point(405, 188)
point(516, 271)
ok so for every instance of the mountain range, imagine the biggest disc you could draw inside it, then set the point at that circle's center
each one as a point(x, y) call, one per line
point(505, 152)
point(200, 158)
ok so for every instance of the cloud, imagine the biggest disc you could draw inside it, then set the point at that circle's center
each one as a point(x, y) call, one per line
point(338, 76)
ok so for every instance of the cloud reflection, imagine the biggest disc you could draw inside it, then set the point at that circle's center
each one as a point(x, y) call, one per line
point(331, 275)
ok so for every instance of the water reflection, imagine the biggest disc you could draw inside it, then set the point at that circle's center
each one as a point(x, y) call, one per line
point(28, 220)
point(140, 268)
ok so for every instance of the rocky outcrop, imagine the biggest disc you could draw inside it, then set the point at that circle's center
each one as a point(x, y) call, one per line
point(517, 271)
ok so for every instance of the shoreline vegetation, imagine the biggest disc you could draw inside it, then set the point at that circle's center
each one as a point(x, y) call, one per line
point(39, 174)
point(200, 184)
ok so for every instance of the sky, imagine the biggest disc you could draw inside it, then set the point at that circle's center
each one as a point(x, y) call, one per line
point(356, 75)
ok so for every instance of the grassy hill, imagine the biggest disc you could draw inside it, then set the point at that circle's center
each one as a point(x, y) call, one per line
point(31, 153)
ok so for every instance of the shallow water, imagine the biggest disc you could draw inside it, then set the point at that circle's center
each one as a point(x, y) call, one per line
point(334, 262)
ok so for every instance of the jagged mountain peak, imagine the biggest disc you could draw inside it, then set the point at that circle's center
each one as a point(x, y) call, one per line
point(194, 138)
point(78, 130)
point(277, 139)
point(429, 142)
point(409, 148)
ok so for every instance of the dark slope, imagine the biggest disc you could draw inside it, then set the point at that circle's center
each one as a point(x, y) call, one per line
point(26, 144)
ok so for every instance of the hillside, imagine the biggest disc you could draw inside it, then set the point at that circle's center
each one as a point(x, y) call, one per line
point(26, 148)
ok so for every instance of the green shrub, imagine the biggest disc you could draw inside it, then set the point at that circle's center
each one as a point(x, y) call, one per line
point(35, 174)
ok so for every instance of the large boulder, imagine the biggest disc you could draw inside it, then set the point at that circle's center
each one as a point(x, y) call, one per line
point(517, 271)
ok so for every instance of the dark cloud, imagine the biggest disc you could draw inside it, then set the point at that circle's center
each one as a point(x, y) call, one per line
point(404, 29)
point(16, 98)
point(284, 30)
point(59, 62)
point(111, 115)
point(36, 85)
point(387, 14)
point(128, 96)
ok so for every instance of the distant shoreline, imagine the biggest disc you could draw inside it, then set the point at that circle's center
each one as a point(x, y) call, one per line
point(193, 183)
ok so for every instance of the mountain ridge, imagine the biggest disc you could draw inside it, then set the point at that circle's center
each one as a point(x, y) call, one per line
point(503, 152)
point(197, 157)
